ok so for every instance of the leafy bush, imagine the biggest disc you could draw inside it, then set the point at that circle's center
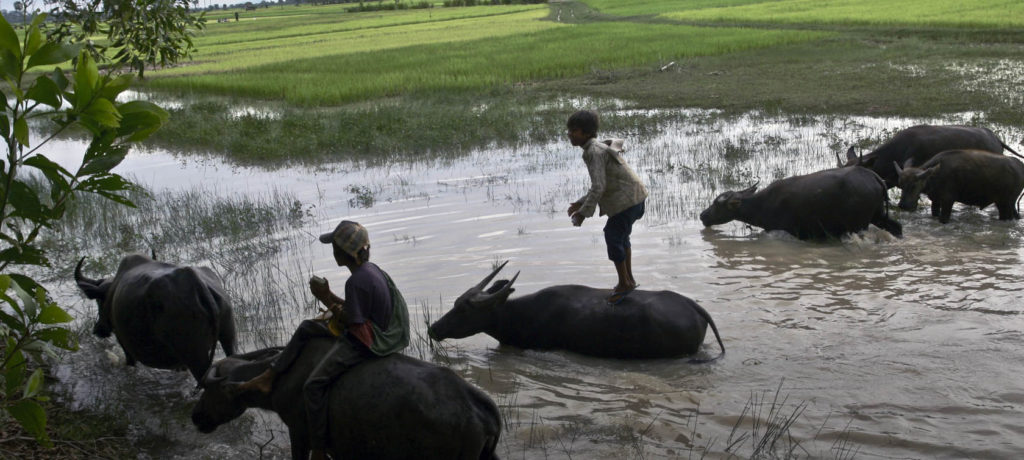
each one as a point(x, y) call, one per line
point(77, 99)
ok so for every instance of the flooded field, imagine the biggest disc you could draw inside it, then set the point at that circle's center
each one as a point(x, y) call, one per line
point(869, 347)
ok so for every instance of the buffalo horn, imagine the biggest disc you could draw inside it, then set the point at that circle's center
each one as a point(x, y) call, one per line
point(751, 189)
point(79, 278)
point(483, 284)
point(839, 160)
point(211, 377)
point(899, 170)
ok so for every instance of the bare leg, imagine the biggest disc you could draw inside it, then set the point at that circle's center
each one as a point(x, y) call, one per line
point(629, 268)
point(621, 271)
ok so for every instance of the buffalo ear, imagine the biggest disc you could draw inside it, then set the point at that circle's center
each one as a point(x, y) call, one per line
point(496, 286)
point(92, 291)
point(851, 155)
point(924, 175)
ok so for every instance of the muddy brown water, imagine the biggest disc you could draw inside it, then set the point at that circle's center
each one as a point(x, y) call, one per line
point(877, 347)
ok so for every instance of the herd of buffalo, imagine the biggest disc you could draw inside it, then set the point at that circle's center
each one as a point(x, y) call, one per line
point(172, 317)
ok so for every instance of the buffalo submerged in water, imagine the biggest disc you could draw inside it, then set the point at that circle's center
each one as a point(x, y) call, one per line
point(821, 205)
point(646, 324)
point(393, 407)
point(163, 315)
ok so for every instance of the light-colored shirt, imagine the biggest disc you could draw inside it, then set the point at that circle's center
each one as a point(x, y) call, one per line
point(613, 184)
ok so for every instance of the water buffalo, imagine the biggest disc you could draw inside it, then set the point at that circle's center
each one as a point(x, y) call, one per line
point(646, 324)
point(920, 143)
point(820, 205)
point(395, 407)
point(972, 177)
point(163, 315)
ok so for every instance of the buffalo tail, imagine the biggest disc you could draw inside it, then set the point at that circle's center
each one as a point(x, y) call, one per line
point(707, 317)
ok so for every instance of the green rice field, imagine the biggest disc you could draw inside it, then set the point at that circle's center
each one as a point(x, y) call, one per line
point(915, 13)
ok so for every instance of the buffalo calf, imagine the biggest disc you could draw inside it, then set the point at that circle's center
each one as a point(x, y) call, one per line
point(972, 177)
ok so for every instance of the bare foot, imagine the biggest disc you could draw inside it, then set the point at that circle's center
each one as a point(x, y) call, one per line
point(262, 383)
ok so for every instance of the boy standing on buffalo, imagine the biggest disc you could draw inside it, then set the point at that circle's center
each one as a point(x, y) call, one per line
point(372, 321)
point(615, 188)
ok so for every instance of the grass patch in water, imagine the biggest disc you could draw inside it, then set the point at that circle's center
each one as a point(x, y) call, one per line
point(186, 225)
point(403, 128)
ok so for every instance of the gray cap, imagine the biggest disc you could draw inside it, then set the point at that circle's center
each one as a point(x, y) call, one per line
point(349, 236)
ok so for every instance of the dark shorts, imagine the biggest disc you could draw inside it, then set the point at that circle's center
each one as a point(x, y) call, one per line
point(617, 230)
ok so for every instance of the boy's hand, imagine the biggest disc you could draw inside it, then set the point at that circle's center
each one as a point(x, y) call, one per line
point(577, 219)
point(573, 208)
point(320, 288)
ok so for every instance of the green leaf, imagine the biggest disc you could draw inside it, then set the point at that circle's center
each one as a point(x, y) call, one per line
point(117, 198)
point(35, 383)
point(38, 19)
point(24, 255)
point(56, 173)
point(14, 372)
point(25, 201)
point(10, 65)
point(27, 283)
point(134, 107)
point(102, 112)
point(116, 86)
point(86, 75)
point(59, 337)
point(45, 91)
point(21, 131)
point(5, 125)
point(59, 78)
point(52, 314)
point(9, 39)
point(12, 322)
point(32, 418)
point(28, 302)
point(53, 53)
point(103, 164)
point(33, 40)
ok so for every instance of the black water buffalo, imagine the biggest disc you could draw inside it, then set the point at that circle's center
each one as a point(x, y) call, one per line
point(821, 205)
point(163, 315)
point(972, 177)
point(646, 324)
point(920, 143)
point(395, 407)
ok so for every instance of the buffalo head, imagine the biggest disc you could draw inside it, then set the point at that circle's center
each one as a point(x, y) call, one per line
point(726, 206)
point(96, 290)
point(220, 402)
point(912, 182)
point(474, 310)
